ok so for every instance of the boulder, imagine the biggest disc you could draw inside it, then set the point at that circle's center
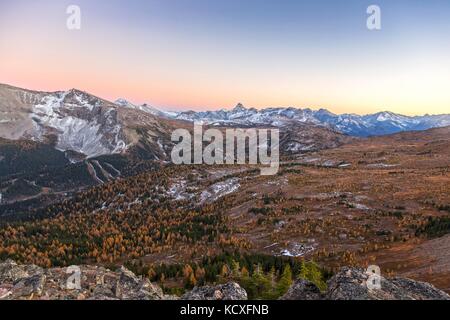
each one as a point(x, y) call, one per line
point(303, 290)
point(98, 283)
point(229, 291)
point(130, 287)
point(5, 291)
point(351, 284)
point(27, 287)
point(11, 272)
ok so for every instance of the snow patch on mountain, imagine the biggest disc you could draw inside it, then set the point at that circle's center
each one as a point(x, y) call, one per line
point(80, 122)
point(220, 190)
point(381, 123)
point(144, 108)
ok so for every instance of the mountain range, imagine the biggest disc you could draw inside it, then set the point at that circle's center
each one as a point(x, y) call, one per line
point(380, 123)
point(85, 126)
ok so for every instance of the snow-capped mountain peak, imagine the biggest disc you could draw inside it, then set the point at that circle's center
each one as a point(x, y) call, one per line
point(380, 123)
point(81, 123)
point(239, 108)
point(124, 103)
point(70, 120)
point(144, 107)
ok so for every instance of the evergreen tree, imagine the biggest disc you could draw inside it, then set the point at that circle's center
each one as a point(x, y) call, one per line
point(261, 284)
point(285, 281)
point(236, 270)
point(271, 290)
point(310, 271)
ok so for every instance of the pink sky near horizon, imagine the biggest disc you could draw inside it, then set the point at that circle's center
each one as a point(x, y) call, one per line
point(173, 69)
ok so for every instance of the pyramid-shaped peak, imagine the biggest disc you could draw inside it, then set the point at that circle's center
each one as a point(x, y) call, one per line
point(239, 107)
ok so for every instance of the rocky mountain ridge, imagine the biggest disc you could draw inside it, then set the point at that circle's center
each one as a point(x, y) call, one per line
point(85, 126)
point(381, 123)
point(78, 122)
point(98, 283)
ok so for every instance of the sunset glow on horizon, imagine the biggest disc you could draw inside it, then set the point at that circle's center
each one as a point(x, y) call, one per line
point(212, 54)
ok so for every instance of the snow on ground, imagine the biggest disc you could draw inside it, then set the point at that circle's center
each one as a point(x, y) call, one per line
point(75, 126)
point(345, 165)
point(359, 206)
point(323, 162)
point(310, 160)
point(178, 191)
point(381, 165)
point(296, 249)
point(281, 182)
point(93, 173)
point(113, 168)
point(329, 163)
point(220, 190)
point(161, 147)
point(297, 147)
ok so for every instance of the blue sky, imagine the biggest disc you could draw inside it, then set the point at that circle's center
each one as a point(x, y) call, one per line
point(205, 54)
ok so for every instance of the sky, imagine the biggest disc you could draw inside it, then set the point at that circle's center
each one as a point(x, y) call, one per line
point(212, 54)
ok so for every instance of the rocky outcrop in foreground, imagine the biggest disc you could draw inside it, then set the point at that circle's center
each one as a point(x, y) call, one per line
point(229, 291)
point(351, 284)
point(98, 283)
